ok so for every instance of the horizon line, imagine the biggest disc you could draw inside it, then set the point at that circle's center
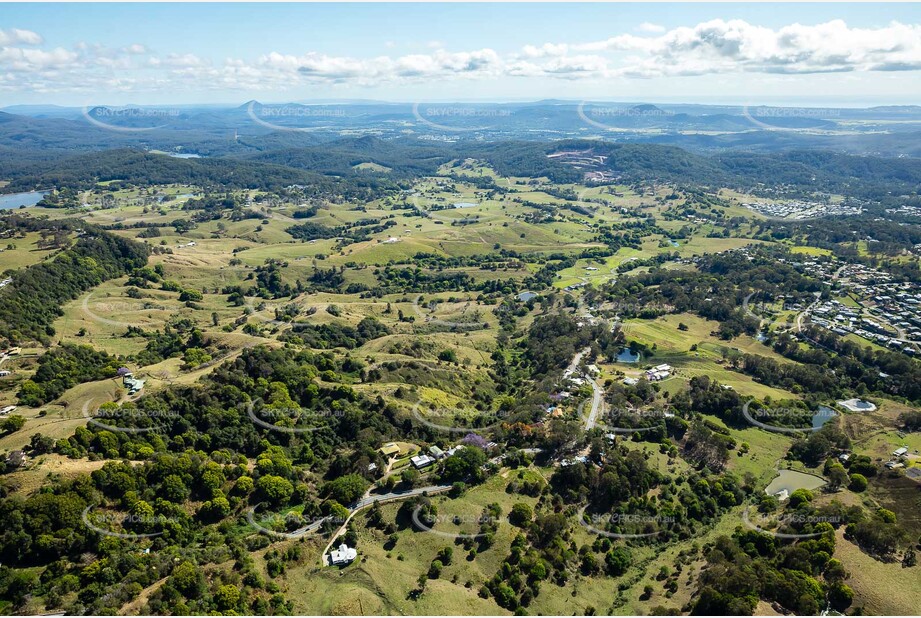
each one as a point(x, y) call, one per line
point(813, 102)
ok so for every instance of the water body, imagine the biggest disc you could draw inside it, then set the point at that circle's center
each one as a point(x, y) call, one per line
point(15, 200)
point(761, 337)
point(627, 356)
point(791, 480)
point(185, 155)
point(673, 243)
point(821, 417)
point(464, 205)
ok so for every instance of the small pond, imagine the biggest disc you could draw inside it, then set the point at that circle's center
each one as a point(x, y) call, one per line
point(791, 480)
point(821, 417)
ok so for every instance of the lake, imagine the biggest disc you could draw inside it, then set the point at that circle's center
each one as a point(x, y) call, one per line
point(15, 200)
point(627, 356)
point(821, 417)
point(791, 480)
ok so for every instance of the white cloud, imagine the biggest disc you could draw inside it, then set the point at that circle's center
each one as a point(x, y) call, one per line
point(713, 47)
point(650, 28)
point(183, 61)
point(545, 50)
point(25, 60)
point(736, 46)
point(15, 36)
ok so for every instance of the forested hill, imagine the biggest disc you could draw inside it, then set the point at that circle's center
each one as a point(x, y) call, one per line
point(804, 167)
point(33, 300)
point(403, 158)
point(394, 161)
point(143, 168)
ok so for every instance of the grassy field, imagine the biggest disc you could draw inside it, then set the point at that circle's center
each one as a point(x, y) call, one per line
point(22, 251)
point(879, 587)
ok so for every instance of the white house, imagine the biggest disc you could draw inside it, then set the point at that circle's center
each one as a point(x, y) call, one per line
point(453, 450)
point(342, 556)
point(421, 461)
point(659, 372)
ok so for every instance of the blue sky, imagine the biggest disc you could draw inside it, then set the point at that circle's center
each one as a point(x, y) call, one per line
point(230, 53)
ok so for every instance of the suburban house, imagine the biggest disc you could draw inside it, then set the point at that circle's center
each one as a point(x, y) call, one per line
point(454, 449)
point(659, 372)
point(389, 450)
point(342, 556)
point(421, 461)
point(900, 452)
point(131, 383)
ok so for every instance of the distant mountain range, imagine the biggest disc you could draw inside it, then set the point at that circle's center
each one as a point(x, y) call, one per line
point(259, 127)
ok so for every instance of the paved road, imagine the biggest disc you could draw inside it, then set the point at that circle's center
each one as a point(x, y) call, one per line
point(370, 499)
point(367, 500)
point(576, 360)
point(747, 310)
point(597, 404)
point(804, 313)
point(597, 392)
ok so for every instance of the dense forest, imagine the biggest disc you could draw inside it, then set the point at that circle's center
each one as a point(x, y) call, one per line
point(145, 169)
point(802, 171)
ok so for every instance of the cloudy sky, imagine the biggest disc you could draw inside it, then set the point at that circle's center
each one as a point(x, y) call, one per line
point(804, 54)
